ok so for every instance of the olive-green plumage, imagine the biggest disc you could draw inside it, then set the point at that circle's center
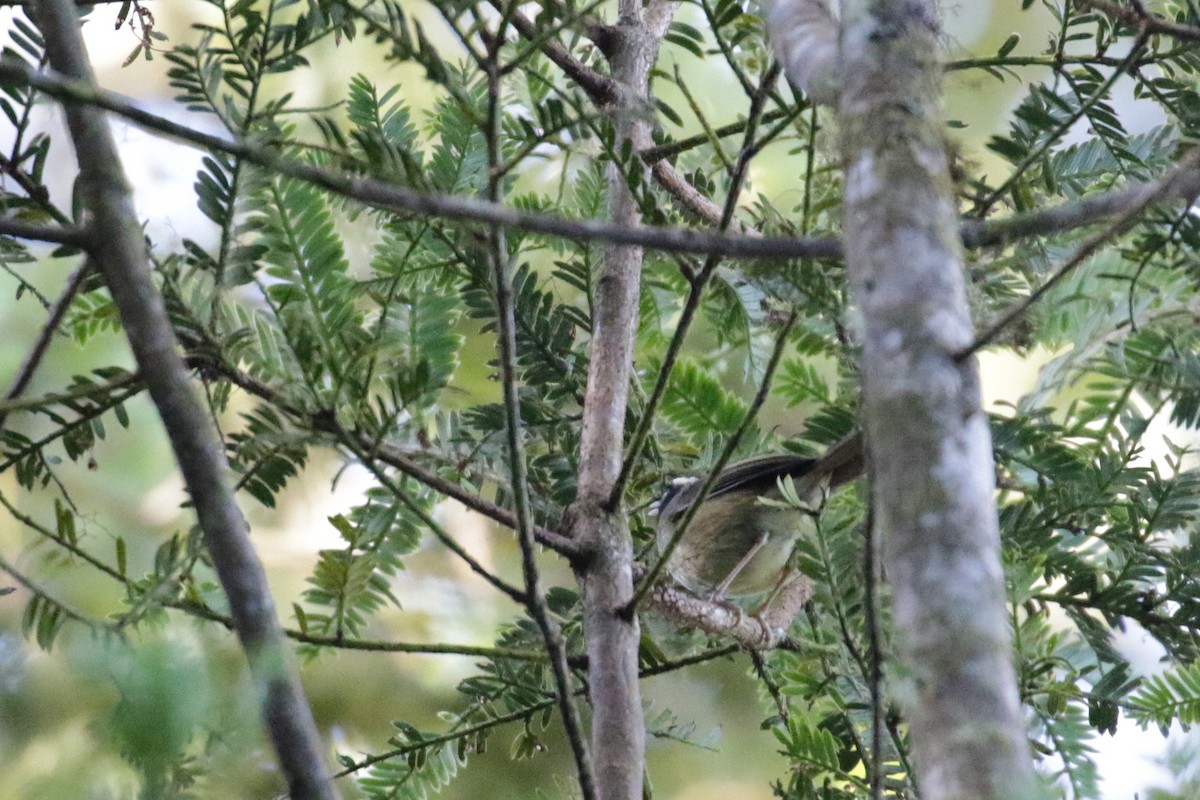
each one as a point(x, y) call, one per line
point(738, 545)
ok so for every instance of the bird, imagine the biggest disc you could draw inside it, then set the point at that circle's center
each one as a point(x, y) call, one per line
point(740, 541)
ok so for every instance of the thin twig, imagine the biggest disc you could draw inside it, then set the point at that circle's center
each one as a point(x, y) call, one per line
point(202, 611)
point(528, 711)
point(68, 396)
point(382, 195)
point(1136, 14)
point(39, 592)
point(440, 533)
point(325, 421)
point(535, 602)
point(85, 418)
point(1165, 188)
point(118, 247)
point(731, 445)
point(56, 234)
point(1050, 62)
point(392, 197)
point(57, 312)
point(874, 650)
point(768, 680)
point(750, 146)
point(1035, 154)
point(1088, 211)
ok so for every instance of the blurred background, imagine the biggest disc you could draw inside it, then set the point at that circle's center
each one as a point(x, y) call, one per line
point(68, 714)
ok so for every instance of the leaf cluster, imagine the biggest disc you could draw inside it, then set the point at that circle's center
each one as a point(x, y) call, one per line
point(317, 325)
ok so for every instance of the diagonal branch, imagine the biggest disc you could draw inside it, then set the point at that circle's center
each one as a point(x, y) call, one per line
point(368, 446)
point(750, 146)
point(120, 251)
point(727, 452)
point(1043, 146)
point(391, 197)
point(1180, 185)
point(518, 466)
point(203, 611)
point(1166, 187)
point(33, 360)
point(382, 195)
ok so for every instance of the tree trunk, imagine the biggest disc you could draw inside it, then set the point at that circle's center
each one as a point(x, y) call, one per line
point(931, 456)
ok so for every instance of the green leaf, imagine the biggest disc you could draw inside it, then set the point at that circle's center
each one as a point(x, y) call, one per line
point(696, 403)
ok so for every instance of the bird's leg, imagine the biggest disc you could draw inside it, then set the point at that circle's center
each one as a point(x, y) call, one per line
point(785, 579)
point(763, 538)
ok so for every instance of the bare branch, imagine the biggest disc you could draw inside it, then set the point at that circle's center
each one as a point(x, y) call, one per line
point(750, 146)
point(29, 366)
point(931, 455)
point(195, 609)
point(693, 199)
point(710, 480)
point(753, 632)
point(1182, 174)
point(1138, 15)
point(369, 447)
point(383, 195)
point(1035, 153)
point(119, 251)
point(75, 237)
point(378, 194)
point(618, 731)
point(517, 465)
point(805, 36)
point(1179, 185)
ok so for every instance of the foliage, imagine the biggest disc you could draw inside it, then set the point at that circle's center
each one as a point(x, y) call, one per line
point(320, 325)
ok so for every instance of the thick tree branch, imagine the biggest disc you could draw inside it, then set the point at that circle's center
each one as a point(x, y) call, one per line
point(618, 731)
point(805, 37)
point(753, 632)
point(932, 472)
point(119, 250)
point(386, 196)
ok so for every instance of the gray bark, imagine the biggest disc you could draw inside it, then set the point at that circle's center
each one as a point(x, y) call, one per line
point(618, 730)
point(930, 447)
point(119, 250)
